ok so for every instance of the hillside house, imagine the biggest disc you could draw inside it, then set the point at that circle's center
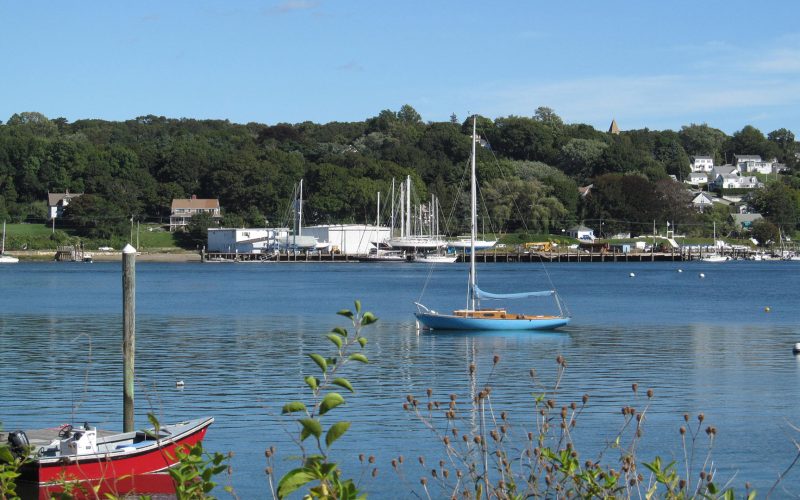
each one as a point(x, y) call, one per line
point(56, 203)
point(733, 181)
point(744, 222)
point(702, 201)
point(184, 209)
point(697, 178)
point(702, 164)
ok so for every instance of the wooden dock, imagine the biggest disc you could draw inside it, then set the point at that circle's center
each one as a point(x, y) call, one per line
point(559, 255)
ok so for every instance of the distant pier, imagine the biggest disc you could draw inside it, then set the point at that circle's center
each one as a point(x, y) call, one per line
point(559, 255)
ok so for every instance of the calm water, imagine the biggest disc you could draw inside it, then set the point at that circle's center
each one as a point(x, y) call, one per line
point(238, 336)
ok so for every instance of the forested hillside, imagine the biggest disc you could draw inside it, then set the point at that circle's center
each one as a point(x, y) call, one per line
point(531, 169)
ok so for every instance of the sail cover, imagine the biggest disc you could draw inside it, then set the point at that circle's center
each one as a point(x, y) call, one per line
point(480, 294)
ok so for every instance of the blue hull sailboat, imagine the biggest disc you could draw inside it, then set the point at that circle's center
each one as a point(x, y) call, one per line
point(474, 317)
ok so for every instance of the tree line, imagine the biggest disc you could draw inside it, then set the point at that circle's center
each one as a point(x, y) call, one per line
point(530, 170)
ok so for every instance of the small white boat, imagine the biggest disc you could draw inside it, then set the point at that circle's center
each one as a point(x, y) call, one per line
point(433, 258)
point(715, 258)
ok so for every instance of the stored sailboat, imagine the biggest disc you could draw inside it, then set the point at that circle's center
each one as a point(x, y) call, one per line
point(473, 316)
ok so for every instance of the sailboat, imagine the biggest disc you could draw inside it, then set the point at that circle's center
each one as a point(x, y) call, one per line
point(380, 253)
point(714, 257)
point(473, 316)
point(6, 259)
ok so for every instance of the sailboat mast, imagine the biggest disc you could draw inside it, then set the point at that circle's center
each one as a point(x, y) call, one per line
point(391, 231)
point(377, 224)
point(3, 247)
point(473, 209)
point(408, 205)
point(300, 218)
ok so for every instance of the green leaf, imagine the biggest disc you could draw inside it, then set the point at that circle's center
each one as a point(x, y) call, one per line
point(343, 382)
point(312, 382)
point(335, 339)
point(339, 330)
point(358, 306)
point(6, 455)
point(329, 402)
point(320, 361)
point(368, 319)
point(359, 357)
point(347, 313)
point(336, 431)
point(293, 480)
point(311, 426)
point(362, 341)
point(292, 407)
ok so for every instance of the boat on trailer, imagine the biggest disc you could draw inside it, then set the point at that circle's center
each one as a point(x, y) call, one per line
point(84, 454)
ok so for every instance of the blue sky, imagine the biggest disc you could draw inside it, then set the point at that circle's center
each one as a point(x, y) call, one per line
point(650, 64)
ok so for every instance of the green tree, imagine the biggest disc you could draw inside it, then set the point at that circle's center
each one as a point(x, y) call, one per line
point(578, 158)
point(765, 232)
point(702, 140)
point(778, 203)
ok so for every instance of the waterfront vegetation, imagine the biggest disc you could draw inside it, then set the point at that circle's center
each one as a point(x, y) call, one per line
point(533, 166)
point(486, 452)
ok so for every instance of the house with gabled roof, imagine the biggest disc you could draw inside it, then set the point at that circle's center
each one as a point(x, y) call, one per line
point(702, 201)
point(745, 221)
point(57, 201)
point(184, 209)
point(697, 178)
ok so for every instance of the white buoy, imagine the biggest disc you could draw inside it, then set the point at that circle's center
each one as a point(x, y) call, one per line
point(632, 275)
point(702, 275)
point(680, 270)
point(767, 309)
point(796, 348)
point(179, 384)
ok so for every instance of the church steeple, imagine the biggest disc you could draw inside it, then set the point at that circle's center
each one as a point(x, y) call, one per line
point(613, 129)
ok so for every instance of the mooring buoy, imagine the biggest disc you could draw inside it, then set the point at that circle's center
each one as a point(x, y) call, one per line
point(632, 275)
point(179, 383)
point(680, 270)
point(702, 275)
point(796, 348)
point(767, 309)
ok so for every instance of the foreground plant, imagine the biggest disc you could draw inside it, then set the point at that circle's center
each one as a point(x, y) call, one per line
point(317, 468)
point(193, 475)
point(487, 455)
point(10, 465)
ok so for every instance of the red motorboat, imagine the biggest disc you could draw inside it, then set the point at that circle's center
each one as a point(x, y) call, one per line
point(83, 454)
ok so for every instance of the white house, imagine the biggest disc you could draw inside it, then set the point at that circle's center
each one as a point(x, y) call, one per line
point(581, 232)
point(753, 164)
point(697, 178)
point(56, 203)
point(702, 201)
point(733, 181)
point(702, 164)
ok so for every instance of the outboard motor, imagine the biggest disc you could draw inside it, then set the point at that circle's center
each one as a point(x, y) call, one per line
point(18, 443)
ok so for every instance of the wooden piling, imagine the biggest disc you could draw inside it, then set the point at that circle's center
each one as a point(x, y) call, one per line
point(128, 334)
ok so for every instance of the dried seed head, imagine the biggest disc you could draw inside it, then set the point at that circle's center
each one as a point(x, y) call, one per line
point(429, 391)
point(268, 471)
point(433, 472)
point(585, 398)
point(701, 417)
point(409, 398)
point(685, 417)
point(430, 406)
point(496, 359)
point(423, 481)
point(458, 474)
point(682, 484)
point(504, 415)
point(445, 473)
point(446, 441)
point(441, 463)
point(634, 386)
point(375, 472)
point(559, 359)
point(452, 397)
point(551, 403)
point(532, 373)
point(683, 430)
point(471, 368)
point(371, 459)
point(650, 393)
point(268, 453)
point(702, 474)
point(464, 438)
point(573, 405)
point(421, 460)
point(361, 457)
point(405, 406)
point(400, 458)
point(394, 463)
point(530, 436)
point(477, 439)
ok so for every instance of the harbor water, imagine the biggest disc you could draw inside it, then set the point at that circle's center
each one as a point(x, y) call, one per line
point(238, 336)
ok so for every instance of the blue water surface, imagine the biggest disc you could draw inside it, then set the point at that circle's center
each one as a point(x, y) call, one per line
point(238, 335)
